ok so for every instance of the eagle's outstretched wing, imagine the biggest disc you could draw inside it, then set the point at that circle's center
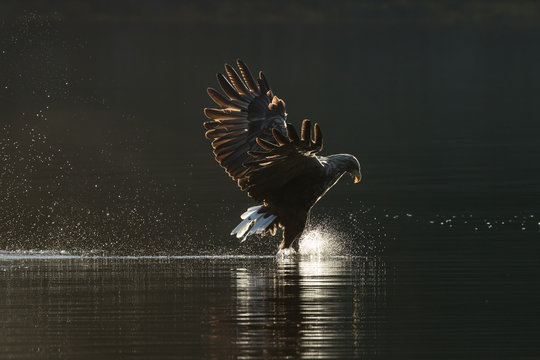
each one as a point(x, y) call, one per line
point(292, 158)
point(249, 110)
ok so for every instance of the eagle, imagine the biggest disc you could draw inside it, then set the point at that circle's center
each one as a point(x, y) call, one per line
point(263, 153)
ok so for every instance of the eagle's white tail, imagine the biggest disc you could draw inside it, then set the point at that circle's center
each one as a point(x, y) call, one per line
point(255, 220)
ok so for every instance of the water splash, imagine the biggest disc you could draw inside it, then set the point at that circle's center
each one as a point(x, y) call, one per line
point(321, 241)
point(286, 254)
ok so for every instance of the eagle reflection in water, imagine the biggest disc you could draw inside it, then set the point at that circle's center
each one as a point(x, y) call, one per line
point(266, 157)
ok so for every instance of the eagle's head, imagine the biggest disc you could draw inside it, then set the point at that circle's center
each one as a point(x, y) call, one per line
point(342, 163)
point(353, 168)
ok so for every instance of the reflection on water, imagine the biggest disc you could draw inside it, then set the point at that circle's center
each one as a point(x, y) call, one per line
point(211, 307)
point(322, 308)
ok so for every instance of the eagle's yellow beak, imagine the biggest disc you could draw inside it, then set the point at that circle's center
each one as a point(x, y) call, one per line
point(357, 176)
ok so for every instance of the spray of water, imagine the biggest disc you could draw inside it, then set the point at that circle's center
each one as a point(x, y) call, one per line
point(323, 240)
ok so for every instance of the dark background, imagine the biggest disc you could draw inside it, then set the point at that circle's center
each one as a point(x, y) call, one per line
point(102, 148)
point(101, 111)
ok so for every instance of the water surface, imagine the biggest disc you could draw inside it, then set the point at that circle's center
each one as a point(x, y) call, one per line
point(88, 306)
point(194, 307)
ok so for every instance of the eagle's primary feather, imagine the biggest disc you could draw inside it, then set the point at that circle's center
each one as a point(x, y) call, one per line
point(266, 157)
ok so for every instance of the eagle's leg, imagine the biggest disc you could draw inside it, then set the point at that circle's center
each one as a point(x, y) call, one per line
point(291, 236)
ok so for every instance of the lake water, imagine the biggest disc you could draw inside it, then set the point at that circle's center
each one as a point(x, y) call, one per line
point(57, 305)
point(115, 218)
point(198, 307)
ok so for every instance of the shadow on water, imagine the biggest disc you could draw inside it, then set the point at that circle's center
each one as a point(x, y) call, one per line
point(205, 307)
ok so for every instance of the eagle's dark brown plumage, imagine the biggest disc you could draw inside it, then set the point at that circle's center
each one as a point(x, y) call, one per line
point(267, 157)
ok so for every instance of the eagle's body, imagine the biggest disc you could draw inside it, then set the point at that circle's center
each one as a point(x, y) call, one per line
point(265, 155)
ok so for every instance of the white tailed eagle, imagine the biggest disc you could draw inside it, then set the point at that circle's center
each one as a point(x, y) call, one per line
point(264, 154)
